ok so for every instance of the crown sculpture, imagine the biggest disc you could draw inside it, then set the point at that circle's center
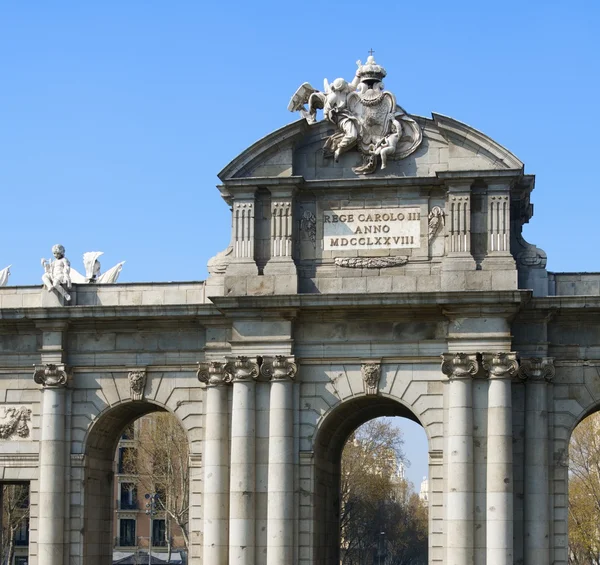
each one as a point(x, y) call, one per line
point(366, 117)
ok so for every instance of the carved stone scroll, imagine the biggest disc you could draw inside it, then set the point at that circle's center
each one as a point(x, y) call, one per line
point(242, 368)
point(537, 369)
point(278, 368)
point(459, 365)
point(212, 373)
point(137, 383)
point(500, 365)
point(15, 422)
point(51, 375)
point(371, 373)
point(370, 262)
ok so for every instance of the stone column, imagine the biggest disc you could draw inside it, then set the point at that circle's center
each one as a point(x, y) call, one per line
point(52, 470)
point(501, 367)
point(280, 509)
point(216, 464)
point(242, 538)
point(459, 368)
point(537, 372)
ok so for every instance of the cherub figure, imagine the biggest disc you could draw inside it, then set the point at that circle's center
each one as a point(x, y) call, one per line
point(387, 145)
point(57, 274)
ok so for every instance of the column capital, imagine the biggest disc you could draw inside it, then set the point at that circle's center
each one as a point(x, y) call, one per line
point(212, 373)
point(501, 365)
point(278, 368)
point(51, 376)
point(537, 369)
point(241, 368)
point(459, 365)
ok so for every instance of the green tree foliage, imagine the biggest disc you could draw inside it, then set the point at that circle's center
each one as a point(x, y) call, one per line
point(382, 521)
point(584, 493)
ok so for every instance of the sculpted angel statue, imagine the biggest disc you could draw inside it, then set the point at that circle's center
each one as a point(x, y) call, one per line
point(4, 274)
point(366, 117)
point(57, 272)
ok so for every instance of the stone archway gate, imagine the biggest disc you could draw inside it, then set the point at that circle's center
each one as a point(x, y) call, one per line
point(343, 296)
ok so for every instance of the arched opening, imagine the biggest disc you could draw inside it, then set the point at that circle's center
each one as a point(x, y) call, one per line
point(331, 438)
point(136, 486)
point(584, 492)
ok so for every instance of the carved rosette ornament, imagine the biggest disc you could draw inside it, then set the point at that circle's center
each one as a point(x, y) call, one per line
point(15, 422)
point(137, 383)
point(242, 368)
point(371, 374)
point(278, 368)
point(212, 373)
point(537, 369)
point(50, 375)
point(500, 365)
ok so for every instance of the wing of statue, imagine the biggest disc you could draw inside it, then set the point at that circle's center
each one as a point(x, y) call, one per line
point(111, 276)
point(77, 277)
point(301, 97)
point(4, 274)
point(89, 260)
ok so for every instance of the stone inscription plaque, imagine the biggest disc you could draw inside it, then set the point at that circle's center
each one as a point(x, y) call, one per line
point(371, 228)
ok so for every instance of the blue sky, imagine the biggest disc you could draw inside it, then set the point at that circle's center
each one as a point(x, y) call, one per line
point(116, 116)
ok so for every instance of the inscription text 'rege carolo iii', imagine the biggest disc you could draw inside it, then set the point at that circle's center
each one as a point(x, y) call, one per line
point(378, 228)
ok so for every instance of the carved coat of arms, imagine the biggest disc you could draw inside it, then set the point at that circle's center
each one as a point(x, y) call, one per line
point(365, 115)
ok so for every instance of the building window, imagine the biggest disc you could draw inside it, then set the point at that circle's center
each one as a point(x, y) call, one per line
point(127, 461)
point(159, 528)
point(22, 533)
point(127, 532)
point(128, 499)
point(21, 560)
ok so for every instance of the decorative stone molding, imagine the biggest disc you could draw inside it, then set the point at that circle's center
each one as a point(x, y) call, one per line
point(529, 255)
point(459, 365)
point(212, 373)
point(242, 368)
point(437, 219)
point(217, 265)
point(278, 368)
point(137, 383)
point(370, 262)
point(500, 365)
point(15, 422)
point(308, 224)
point(537, 369)
point(50, 375)
point(371, 374)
